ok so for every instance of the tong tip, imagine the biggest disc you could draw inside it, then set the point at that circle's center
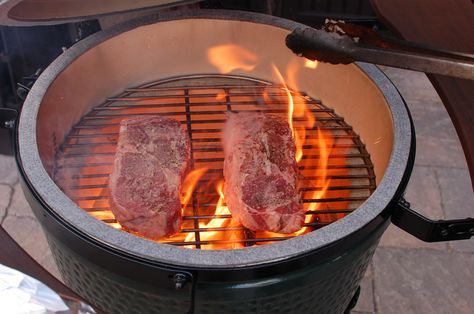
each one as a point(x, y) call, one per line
point(320, 45)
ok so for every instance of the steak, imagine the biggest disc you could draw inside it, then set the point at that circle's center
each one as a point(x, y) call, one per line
point(261, 173)
point(152, 159)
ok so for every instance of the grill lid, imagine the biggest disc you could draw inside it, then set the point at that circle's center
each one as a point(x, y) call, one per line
point(49, 12)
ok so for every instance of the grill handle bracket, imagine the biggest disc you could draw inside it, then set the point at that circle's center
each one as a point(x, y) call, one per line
point(429, 230)
point(8, 119)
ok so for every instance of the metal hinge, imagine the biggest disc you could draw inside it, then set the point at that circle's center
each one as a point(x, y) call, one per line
point(7, 118)
point(431, 230)
point(7, 125)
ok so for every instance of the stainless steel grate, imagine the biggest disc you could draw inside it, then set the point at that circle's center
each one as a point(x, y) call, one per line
point(200, 102)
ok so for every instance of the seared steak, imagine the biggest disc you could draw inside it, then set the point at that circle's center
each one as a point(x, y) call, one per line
point(151, 162)
point(261, 173)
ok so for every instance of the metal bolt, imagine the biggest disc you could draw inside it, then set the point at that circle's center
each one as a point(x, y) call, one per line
point(9, 124)
point(179, 280)
point(404, 202)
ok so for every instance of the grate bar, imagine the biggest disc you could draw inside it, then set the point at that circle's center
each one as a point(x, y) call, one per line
point(210, 121)
point(219, 171)
point(340, 177)
point(305, 200)
point(216, 148)
point(262, 85)
point(318, 188)
point(114, 136)
point(197, 235)
point(195, 113)
point(213, 131)
point(197, 160)
point(199, 149)
point(208, 95)
point(313, 212)
point(207, 242)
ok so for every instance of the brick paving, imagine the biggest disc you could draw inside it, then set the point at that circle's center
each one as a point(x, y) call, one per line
point(406, 275)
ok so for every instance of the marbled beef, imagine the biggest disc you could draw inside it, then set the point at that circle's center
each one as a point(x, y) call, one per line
point(151, 162)
point(261, 172)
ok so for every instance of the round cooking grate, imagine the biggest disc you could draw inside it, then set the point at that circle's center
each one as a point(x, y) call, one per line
point(200, 103)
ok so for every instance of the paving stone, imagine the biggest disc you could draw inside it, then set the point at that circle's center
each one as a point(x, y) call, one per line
point(28, 234)
point(425, 197)
point(432, 120)
point(412, 85)
point(423, 281)
point(5, 197)
point(365, 304)
point(457, 200)
point(19, 206)
point(8, 170)
point(439, 153)
point(436, 138)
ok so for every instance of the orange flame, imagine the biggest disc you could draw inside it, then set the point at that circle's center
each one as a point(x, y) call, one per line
point(218, 222)
point(230, 57)
point(189, 184)
point(320, 185)
point(301, 111)
point(291, 105)
point(302, 121)
point(311, 64)
point(102, 214)
point(298, 108)
point(221, 96)
point(266, 96)
point(115, 225)
point(324, 144)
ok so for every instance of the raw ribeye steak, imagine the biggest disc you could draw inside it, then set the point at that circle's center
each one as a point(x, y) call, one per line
point(260, 172)
point(151, 161)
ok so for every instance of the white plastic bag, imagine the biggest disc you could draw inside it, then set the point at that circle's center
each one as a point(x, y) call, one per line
point(20, 293)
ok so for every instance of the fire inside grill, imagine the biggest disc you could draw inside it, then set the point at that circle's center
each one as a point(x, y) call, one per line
point(336, 174)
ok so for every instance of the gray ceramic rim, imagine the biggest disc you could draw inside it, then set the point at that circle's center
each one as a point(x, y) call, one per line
point(124, 242)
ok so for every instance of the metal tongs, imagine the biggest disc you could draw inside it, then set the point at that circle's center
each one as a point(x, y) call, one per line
point(341, 43)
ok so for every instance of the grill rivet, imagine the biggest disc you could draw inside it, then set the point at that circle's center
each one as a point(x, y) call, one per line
point(9, 124)
point(179, 280)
